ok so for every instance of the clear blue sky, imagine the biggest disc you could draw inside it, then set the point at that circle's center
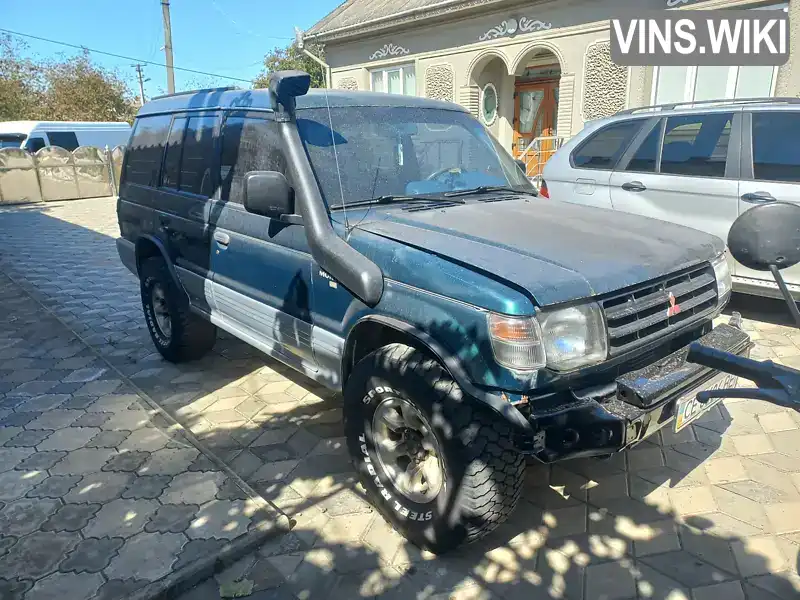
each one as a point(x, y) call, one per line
point(227, 37)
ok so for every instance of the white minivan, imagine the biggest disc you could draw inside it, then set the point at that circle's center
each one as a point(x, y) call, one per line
point(34, 135)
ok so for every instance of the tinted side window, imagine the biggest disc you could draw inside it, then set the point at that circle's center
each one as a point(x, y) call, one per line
point(644, 161)
point(198, 148)
point(65, 139)
point(34, 144)
point(170, 176)
point(248, 144)
point(776, 146)
point(696, 145)
point(603, 149)
point(143, 160)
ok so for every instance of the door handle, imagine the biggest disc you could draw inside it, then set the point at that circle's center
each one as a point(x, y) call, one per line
point(223, 239)
point(758, 197)
point(634, 186)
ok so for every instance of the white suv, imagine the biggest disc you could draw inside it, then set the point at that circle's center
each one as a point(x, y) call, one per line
point(699, 165)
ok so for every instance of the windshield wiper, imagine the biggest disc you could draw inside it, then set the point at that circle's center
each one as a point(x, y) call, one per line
point(389, 199)
point(485, 189)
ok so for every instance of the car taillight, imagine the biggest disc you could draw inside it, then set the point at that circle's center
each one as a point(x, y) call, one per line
point(543, 191)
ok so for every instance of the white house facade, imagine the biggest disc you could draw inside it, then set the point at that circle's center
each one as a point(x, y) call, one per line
point(528, 69)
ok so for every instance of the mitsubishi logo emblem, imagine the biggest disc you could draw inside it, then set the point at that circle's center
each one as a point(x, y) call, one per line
point(674, 307)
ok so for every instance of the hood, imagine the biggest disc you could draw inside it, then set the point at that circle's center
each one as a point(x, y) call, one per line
point(556, 251)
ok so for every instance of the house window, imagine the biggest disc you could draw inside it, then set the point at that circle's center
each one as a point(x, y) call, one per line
point(695, 84)
point(395, 80)
point(489, 104)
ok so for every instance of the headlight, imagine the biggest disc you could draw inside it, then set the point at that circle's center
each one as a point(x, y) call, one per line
point(574, 337)
point(722, 272)
point(562, 339)
point(516, 342)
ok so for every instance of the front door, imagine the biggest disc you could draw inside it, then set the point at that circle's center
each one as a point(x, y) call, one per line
point(773, 174)
point(261, 267)
point(535, 115)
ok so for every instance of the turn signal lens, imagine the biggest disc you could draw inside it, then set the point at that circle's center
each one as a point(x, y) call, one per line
point(722, 272)
point(516, 342)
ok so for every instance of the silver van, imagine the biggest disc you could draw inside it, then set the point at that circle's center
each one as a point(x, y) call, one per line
point(700, 164)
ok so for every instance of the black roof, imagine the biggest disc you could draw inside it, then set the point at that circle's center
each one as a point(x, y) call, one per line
point(261, 99)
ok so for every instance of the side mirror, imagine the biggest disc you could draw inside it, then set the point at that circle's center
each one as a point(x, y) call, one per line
point(268, 193)
point(766, 236)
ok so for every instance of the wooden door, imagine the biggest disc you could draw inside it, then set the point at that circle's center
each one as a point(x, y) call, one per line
point(535, 115)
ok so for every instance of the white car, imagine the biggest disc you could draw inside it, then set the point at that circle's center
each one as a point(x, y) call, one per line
point(34, 135)
point(699, 165)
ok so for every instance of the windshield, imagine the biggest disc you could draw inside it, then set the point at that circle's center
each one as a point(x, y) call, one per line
point(11, 140)
point(402, 151)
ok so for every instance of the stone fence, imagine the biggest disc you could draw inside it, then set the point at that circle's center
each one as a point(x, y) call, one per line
point(54, 173)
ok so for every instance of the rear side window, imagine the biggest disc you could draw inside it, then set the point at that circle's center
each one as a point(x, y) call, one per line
point(198, 149)
point(248, 144)
point(696, 145)
point(143, 157)
point(65, 139)
point(776, 146)
point(644, 161)
point(170, 176)
point(603, 149)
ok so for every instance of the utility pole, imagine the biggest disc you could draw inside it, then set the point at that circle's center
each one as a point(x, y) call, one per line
point(140, 76)
point(168, 47)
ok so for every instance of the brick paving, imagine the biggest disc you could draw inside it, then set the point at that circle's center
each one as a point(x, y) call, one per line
point(711, 512)
point(91, 490)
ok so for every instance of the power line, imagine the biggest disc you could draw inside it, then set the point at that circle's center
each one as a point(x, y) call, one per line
point(138, 60)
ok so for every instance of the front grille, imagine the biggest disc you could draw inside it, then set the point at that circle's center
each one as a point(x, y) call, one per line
point(642, 313)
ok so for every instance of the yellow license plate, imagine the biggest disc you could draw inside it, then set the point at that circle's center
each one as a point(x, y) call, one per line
point(687, 409)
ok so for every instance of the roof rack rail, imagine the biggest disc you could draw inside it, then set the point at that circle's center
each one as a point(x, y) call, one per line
point(721, 102)
point(200, 91)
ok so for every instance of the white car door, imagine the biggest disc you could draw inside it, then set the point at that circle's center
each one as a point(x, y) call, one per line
point(679, 172)
point(770, 169)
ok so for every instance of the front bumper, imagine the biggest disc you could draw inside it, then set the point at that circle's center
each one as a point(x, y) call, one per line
point(617, 416)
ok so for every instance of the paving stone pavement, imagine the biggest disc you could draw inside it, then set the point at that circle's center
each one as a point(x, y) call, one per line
point(79, 515)
point(711, 512)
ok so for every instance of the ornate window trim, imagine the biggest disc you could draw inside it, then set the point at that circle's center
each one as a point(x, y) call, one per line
point(490, 122)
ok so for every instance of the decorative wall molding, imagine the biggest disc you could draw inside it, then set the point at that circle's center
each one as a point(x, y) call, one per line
point(509, 27)
point(347, 83)
point(470, 98)
point(566, 100)
point(527, 25)
point(439, 82)
point(604, 83)
point(389, 50)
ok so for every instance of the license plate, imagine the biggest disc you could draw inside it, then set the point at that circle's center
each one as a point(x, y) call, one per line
point(687, 409)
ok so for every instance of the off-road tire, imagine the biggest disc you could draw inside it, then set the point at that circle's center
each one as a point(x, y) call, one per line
point(483, 470)
point(191, 336)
